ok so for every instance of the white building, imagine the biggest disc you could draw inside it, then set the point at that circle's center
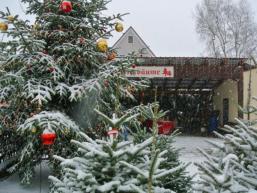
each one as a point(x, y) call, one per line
point(131, 43)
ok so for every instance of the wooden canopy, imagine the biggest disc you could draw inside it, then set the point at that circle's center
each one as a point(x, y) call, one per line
point(198, 74)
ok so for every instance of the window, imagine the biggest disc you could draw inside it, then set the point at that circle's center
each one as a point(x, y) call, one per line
point(130, 39)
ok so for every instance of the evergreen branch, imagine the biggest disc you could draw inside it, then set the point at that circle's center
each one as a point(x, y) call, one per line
point(90, 148)
point(137, 189)
point(135, 169)
point(23, 39)
point(170, 171)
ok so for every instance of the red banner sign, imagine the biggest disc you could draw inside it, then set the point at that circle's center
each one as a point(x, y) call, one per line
point(152, 72)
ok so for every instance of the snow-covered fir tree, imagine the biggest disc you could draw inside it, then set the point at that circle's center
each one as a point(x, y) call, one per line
point(110, 166)
point(52, 75)
point(179, 181)
point(231, 167)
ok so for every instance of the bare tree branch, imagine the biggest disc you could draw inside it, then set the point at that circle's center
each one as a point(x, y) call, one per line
point(227, 27)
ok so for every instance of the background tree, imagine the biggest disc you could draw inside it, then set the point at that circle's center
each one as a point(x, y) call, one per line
point(227, 28)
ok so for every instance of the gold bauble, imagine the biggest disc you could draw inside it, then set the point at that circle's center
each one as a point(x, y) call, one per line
point(10, 18)
point(3, 26)
point(119, 27)
point(34, 130)
point(102, 45)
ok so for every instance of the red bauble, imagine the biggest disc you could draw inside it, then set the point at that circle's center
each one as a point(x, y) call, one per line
point(66, 6)
point(133, 66)
point(81, 40)
point(113, 133)
point(48, 138)
point(51, 69)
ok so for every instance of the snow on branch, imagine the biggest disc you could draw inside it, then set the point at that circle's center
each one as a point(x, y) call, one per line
point(37, 92)
point(108, 186)
point(91, 148)
point(135, 169)
point(115, 122)
point(55, 121)
point(171, 171)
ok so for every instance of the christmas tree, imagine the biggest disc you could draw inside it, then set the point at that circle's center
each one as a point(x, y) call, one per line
point(110, 166)
point(179, 181)
point(231, 167)
point(53, 74)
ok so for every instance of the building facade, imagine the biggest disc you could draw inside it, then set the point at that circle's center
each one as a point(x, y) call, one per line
point(198, 86)
point(131, 43)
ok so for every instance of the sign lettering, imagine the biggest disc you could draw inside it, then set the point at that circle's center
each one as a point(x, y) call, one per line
point(152, 72)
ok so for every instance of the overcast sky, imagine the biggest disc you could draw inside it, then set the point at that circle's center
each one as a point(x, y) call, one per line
point(167, 26)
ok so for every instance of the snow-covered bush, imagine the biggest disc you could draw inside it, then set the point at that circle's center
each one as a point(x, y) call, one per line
point(232, 166)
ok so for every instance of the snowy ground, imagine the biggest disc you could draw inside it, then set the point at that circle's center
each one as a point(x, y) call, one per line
point(189, 153)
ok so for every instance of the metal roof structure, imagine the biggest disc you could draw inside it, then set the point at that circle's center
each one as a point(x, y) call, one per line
point(196, 73)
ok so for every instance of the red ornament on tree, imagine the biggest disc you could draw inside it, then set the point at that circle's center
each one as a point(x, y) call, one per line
point(48, 138)
point(113, 133)
point(51, 69)
point(133, 66)
point(66, 6)
point(81, 40)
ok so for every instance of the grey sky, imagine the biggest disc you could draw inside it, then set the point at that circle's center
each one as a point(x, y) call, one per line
point(167, 26)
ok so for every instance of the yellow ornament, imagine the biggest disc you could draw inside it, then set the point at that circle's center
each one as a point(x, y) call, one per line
point(33, 130)
point(3, 26)
point(10, 18)
point(102, 45)
point(119, 27)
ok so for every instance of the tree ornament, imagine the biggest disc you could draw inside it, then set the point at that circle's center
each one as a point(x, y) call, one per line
point(81, 40)
point(10, 18)
point(66, 6)
point(48, 137)
point(113, 133)
point(33, 130)
point(133, 66)
point(102, 45)
point(119, 27)
point(3, 26)
point(51, 69)
point(111, 56)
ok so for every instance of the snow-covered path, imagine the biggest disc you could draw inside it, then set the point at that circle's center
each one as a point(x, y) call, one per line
point(189, 153)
